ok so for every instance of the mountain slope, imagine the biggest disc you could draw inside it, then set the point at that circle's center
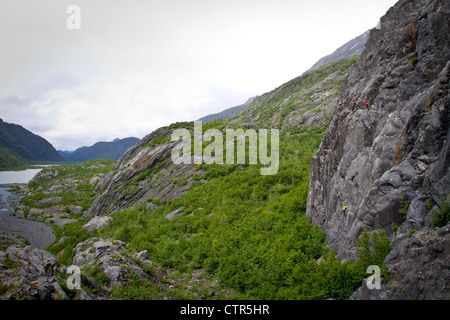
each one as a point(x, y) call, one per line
point(227, 113)
point(387, 162)
point(353, 47)
point(143, 172)
point(249, 230)
point(19, 145)
point(303, 102)
point(390, 164)
point(100, 150)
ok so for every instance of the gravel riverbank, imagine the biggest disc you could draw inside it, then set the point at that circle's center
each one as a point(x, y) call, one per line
point(17, 228)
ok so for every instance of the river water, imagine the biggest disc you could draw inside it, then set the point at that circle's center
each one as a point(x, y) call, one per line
point(38, 234)
point(12, 177)
point(20, 176)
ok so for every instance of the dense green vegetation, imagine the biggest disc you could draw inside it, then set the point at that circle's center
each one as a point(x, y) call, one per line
point(9, 161)
point(249, 230)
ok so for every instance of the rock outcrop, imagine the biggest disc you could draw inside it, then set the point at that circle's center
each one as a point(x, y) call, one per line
point(34, 274)
point(419, 268)
point(29, 272)
point(97, 223)
point(145, 171)
point(395, 150)
point(111, 258)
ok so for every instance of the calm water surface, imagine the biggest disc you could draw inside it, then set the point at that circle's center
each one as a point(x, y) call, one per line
point(21, 176)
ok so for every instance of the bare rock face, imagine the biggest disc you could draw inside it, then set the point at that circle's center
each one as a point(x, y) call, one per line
point(419, 268)
point(29, 273)
point(97, 223)
point(144, 171)
point(395, 147)
point(34, 274)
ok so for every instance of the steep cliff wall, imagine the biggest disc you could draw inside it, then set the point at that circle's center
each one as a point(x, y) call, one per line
point(398, 147)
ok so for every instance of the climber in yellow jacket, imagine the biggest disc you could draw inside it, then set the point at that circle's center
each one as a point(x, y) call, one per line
point(344, 208)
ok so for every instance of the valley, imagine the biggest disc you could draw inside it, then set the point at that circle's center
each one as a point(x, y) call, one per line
point(234, 233)
point(361, 188)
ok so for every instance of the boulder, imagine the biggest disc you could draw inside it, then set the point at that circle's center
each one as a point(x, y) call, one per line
point(97, 223)
point(33, 261)
point(174, 213)
point(31, 274)
point(114, 260)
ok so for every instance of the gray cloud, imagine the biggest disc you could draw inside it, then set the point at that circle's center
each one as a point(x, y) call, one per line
point(137, 65)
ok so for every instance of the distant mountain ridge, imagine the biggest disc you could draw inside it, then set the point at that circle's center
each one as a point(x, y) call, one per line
point(227, 113)
point(100, 150)
point(19, 146)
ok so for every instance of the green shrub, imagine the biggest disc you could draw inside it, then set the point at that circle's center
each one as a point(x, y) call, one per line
point(75, 234)
point(372, 250)
point(9, 264)
point(404, 206)
point(98, 275)
point(442, 217)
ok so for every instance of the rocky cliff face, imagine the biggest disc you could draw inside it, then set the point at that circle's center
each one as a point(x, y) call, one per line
point(395, 147)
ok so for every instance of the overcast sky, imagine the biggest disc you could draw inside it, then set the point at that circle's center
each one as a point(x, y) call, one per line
point(137, 65)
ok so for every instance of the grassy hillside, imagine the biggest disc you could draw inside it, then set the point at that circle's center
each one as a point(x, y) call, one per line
point(310, 94)
point(249, 231)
